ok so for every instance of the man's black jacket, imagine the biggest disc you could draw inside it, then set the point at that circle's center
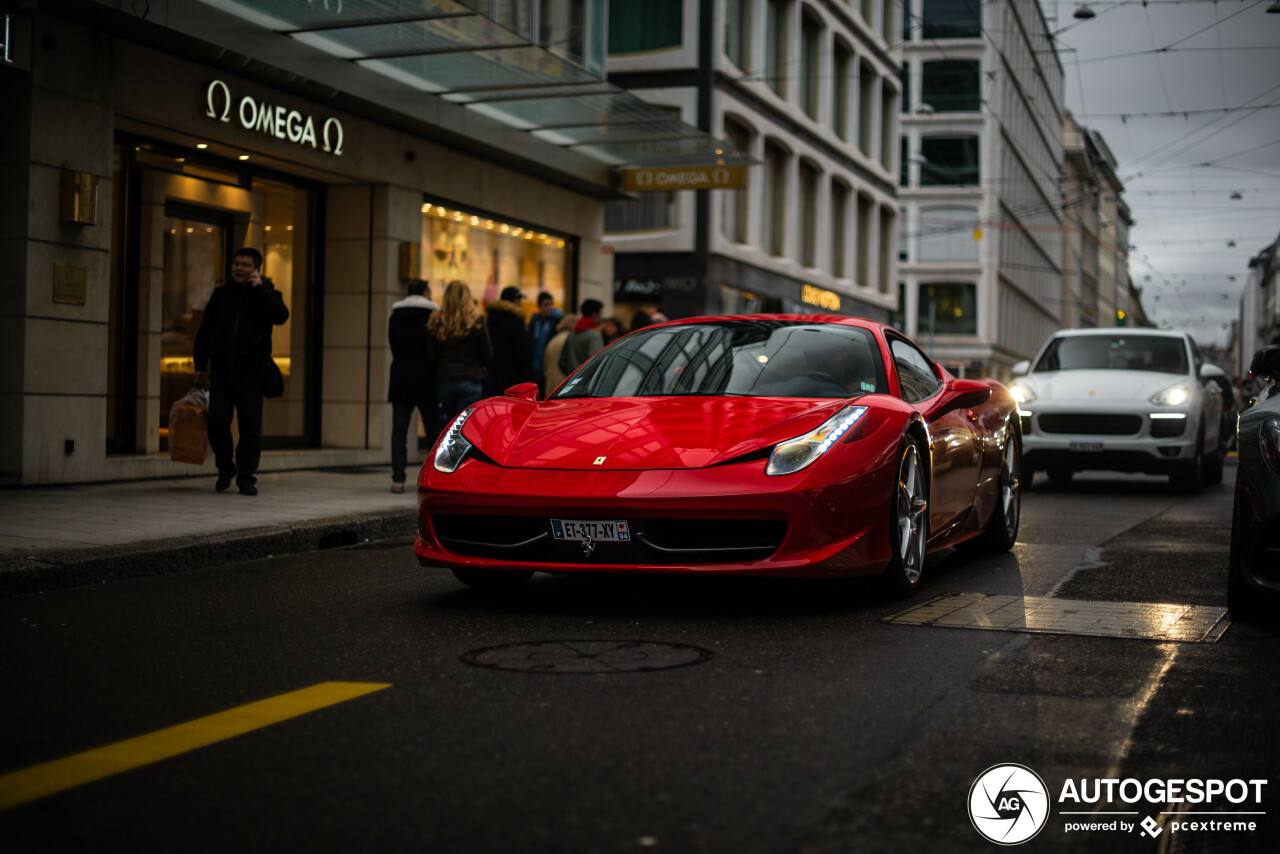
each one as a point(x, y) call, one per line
point(235, 332)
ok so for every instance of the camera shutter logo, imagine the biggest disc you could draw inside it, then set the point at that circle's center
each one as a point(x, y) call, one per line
point(1008, 804)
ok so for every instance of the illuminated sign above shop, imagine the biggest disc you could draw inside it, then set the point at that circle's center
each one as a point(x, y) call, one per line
point(822, 299)
point(274, 120)
point(665, 179)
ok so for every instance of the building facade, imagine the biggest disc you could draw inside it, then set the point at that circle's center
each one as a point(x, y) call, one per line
point(143, 144)
point(980, 245)
point(809, 90)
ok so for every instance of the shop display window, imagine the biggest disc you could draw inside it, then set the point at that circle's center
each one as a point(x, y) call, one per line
point(490, 253)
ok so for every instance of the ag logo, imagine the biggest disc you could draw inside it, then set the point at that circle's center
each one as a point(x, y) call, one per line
point(1008, 804)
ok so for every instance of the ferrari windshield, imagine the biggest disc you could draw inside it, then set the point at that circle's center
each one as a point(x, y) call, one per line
point(1117, 352)
point(752, 358)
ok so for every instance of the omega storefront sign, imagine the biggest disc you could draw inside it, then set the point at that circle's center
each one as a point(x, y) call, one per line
point(274, 120)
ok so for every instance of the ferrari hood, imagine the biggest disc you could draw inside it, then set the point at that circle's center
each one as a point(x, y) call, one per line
point(1101, 385)
point(619, 434)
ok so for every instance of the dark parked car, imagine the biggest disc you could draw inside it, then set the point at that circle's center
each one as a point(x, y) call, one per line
point(1253, 572)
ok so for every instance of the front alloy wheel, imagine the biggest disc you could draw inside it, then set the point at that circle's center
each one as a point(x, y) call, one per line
point(909, 530)
point(1003, 529)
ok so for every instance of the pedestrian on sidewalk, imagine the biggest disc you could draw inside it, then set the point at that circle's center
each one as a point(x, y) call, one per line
point(460, 350)
point(542, 328)
point(551, 359)
point(586, 338)
point(234, 345)
point(413, 381)
point(512, 358)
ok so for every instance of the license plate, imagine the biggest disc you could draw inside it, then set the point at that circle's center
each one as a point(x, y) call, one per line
point(609, 531)
point(1086, 446)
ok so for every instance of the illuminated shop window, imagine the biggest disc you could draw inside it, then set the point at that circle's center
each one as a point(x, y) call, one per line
point(490, 254)
point(947, 309)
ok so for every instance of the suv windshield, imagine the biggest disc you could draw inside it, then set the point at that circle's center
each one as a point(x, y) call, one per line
point(1119, 352)
point(752, 358)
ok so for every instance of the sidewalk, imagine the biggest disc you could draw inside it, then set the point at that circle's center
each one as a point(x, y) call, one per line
point(66, 536)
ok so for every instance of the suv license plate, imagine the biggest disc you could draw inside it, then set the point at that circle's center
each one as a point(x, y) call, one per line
point(609, 531)
point(1086, 446)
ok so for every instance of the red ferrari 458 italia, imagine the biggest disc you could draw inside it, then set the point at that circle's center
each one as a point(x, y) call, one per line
point(778, 445)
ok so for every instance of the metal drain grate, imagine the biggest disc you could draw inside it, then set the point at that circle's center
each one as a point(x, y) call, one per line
point(587, 656)
point(1042, 615)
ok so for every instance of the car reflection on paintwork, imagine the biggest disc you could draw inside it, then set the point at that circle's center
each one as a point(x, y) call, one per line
point(1253, 569)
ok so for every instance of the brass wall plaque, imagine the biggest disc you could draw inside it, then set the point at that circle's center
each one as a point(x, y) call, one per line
point(668, 178)
point(69, 284)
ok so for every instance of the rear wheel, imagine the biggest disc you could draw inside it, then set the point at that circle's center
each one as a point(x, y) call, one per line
point(1002, 531)
point(492, 579)
point(908, 522)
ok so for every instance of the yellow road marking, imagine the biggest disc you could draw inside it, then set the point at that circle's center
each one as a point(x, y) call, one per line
point(29, 784)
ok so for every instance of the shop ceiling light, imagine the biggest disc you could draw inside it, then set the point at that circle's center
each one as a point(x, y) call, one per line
point(202, 145)
point(244, 157)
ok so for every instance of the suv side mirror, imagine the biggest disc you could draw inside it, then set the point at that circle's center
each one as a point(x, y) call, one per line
point(1266, 363)
point(1021, 369)
point(523, 391)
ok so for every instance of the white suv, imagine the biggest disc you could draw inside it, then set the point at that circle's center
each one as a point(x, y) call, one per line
point(1131, 400)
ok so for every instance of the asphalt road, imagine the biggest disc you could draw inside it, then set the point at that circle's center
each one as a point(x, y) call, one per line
point(753, 716)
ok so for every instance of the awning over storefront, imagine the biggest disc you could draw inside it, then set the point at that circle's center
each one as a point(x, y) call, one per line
point(454, 50)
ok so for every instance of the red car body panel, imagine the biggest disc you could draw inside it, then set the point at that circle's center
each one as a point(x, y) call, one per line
point(704, 458)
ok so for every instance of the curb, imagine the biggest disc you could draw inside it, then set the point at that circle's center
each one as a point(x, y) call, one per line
point(83, 567)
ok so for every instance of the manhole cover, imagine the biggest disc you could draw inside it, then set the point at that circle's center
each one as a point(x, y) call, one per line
point(587, 656)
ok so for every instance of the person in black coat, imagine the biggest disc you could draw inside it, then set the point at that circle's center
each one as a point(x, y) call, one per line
point(234, 344)
point(512, 352)
point(413, 381)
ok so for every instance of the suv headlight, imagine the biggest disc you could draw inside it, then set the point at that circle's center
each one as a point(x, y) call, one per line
point(1021, 392)
point(793, 455)
point(1269, 440)
point(1174, 395)
point(453, 447)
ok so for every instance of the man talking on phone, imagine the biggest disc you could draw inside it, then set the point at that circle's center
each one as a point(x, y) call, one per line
point(234, 343)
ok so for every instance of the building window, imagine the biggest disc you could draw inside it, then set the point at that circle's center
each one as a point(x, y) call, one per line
point(646, 212)
point(952, 19)
point(946, 233)
point(737, 32)
point(887, 216)
point(947, 308)
point(840, 193)
point(907, 19)
point(904, 163)
point(640, 25)
point(737, 301)
point(866, 209)
point(810, 51)
point(809, 177)
point(842, 67)
point(490, 254)
point(904, 236)
point(951, 86)
point(886, 20)
point(904, 77)
point(775, 60)
point(949, 161)
point(735, 205)
point(866, 107)
point(774, 211)
point(888, 129)
point(574, 29)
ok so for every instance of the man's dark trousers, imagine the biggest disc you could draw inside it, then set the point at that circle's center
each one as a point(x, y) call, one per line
point(243, 394)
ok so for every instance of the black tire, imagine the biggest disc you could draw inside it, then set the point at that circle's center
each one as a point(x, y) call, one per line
point(1002, 530)
point(1189, 475)
point(1060, 474)
point(492, 579)
point(1243, 602)
point(908, 522)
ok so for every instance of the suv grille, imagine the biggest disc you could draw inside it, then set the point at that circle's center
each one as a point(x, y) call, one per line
point(1091, 424)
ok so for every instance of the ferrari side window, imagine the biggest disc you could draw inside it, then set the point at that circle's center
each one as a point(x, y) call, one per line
point(915, 374)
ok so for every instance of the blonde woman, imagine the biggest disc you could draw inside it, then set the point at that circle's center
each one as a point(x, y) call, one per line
point(460, 350)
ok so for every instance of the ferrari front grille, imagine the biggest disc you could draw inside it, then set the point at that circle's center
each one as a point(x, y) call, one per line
point(653, 540)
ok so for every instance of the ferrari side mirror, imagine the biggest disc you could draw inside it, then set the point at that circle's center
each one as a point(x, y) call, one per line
point(1266, 363)
point(523, 391)
point(960, 394)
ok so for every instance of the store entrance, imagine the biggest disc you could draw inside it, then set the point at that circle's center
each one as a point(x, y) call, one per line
point(196, 258)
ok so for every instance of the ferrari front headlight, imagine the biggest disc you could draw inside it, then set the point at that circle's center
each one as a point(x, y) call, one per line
point(453, 447)
point(793, 455)
point(1021, 392)
point(1174, 395)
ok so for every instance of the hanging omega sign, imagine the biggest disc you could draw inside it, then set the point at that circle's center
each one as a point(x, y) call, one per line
point(667, 178)
point(275, 120)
